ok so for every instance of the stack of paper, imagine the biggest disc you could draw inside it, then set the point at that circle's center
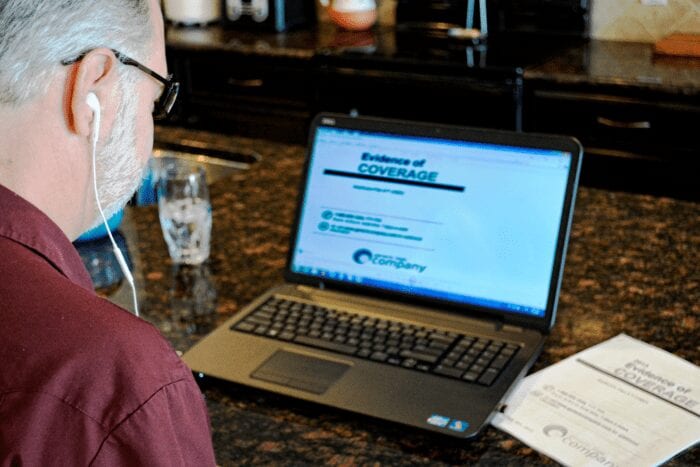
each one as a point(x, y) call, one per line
point(621, 402)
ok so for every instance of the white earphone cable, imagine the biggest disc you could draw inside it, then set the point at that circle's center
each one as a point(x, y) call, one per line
point(117, 252)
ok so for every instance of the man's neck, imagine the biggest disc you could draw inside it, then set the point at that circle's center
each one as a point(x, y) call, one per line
point(39, 159)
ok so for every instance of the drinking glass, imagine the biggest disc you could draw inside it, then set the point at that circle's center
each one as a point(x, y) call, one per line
point(184, 210)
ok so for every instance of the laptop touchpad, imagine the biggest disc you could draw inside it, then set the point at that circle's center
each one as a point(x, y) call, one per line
point(299, 371)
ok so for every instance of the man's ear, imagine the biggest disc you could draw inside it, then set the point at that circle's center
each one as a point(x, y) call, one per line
point(95, 73)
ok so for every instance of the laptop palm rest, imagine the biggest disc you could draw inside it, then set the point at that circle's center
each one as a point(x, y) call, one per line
point(299, 371)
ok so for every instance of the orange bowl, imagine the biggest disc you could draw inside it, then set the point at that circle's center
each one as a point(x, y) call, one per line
point(353, 20)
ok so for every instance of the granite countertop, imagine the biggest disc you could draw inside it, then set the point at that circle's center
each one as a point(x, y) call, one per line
point(632, 267)
point(621, 65)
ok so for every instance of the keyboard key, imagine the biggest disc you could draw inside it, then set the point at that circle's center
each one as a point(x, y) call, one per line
point(427, 350)
point(392, 350)
point(258, 320)
point(244, 327)
point(286, 336)
point(409, 363)
point(320, 343)
point(488, 377)
point(440, 337)
point(379, 356)
point(470, 376)
point(424, 357)
point(500, 362)
point(495, 347)
point(406, 346)
point(483, 362)
point(473, 352)
point(445, 371)
point(480, 345)
point(438, 347)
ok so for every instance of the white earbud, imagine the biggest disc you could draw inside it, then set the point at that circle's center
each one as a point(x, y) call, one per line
point(94, 103)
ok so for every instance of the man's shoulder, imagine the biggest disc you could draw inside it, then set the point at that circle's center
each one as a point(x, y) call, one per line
point(77, 367)
point(60, 339)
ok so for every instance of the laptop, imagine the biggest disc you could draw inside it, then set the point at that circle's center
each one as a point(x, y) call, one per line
point(422, 278)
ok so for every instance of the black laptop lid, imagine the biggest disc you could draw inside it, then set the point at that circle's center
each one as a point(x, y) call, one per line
point(475, 221)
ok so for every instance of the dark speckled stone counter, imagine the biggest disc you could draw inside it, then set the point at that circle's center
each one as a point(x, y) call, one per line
point(632, 267)
point(621, 65)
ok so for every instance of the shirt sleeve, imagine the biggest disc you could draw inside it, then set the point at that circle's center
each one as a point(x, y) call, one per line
point(170, 429)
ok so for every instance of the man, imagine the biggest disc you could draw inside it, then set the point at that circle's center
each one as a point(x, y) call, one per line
point(82, 382)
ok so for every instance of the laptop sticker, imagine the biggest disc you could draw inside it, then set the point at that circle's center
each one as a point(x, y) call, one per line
point(438, 420)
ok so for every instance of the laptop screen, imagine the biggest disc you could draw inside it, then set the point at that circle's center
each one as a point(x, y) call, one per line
point(467, 222)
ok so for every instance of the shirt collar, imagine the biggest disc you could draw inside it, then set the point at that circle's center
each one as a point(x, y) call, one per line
point(24, 223)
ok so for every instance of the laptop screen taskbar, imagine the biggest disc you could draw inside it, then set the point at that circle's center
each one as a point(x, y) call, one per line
point(419, 291)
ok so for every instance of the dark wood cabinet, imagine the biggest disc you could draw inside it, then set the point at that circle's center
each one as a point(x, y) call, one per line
point(252, 95)
point(276, 97)
point(645, 142)
point(471, 97)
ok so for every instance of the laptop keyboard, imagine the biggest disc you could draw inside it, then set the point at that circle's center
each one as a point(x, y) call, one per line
point(452, 355)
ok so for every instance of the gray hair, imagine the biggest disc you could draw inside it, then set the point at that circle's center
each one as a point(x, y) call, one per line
point(35, 35)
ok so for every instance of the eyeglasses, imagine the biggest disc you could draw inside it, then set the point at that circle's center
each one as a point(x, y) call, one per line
point(165, 102)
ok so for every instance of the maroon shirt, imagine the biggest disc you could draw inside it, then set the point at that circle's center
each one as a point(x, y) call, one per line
point(82, 381)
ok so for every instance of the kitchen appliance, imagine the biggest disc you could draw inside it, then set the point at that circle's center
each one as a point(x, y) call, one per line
point(269, 15)
point(431, 14)
point(548, 17)
point(418, 74)
point(192, 12)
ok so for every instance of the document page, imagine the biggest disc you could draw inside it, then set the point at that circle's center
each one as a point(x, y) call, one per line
point(621, 402)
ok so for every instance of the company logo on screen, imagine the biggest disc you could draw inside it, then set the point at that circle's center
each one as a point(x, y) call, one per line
point(362, 256)
point(365, 256)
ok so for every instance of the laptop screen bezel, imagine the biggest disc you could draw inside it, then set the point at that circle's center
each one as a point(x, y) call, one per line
point(457, 133)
